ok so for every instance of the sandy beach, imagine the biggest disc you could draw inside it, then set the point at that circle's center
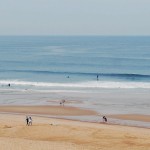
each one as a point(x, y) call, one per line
point(68, 111)
point(56, 134)
point(135, 117)
point(48, 110)
point(50, 132)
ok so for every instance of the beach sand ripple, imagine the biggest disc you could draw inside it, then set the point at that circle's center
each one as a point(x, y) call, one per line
point(56, 134)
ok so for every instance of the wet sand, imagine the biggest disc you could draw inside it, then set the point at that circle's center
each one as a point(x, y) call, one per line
point(68, 111)
point(135, 117)
point(48, 110)
point(56, 134)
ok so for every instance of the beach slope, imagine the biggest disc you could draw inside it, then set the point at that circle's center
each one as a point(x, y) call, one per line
point(56, 134)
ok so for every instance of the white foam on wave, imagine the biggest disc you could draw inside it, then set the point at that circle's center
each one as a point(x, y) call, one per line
point(88, 84)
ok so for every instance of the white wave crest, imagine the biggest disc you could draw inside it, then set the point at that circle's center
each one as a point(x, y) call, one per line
point(89, 84)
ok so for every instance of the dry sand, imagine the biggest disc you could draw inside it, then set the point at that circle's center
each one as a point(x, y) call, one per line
point(60, 134)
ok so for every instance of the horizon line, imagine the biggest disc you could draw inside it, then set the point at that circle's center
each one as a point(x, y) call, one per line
point(74, 35)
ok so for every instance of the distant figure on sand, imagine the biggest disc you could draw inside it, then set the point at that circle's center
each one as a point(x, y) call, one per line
point(9, 84)
point(28, 120)
point(104, 119)
point(62, 102)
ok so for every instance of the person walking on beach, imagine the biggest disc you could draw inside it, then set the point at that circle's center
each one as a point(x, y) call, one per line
point(30, 121)
point(27, 120)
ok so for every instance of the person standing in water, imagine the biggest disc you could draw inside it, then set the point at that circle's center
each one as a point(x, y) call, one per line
point(104, 119)
point(97, 77)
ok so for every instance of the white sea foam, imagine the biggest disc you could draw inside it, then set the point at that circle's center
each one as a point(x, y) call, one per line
point(89, 84)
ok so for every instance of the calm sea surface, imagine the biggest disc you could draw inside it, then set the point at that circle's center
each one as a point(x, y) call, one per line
point(74, 62)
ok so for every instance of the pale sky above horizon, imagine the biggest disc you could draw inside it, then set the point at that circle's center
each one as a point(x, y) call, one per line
point(74, 17)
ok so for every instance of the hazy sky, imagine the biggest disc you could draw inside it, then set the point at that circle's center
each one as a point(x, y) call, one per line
point(74, 17)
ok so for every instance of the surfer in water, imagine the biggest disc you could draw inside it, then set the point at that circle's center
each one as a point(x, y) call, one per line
point(97, 77)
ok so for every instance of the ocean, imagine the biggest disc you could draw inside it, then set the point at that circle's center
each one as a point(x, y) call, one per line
point(58, 62)
point(109, 74)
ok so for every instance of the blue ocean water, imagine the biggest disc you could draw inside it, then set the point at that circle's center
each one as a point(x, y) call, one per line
point(75, 61)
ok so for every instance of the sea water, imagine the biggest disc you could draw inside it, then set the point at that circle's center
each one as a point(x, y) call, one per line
point(75, 61)
point(87, 68)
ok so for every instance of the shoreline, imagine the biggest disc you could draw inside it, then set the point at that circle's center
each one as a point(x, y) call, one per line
point(77, 114)
point(123, 107)
point(106, 101)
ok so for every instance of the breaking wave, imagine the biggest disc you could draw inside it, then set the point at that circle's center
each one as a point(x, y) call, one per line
point(88, 84)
